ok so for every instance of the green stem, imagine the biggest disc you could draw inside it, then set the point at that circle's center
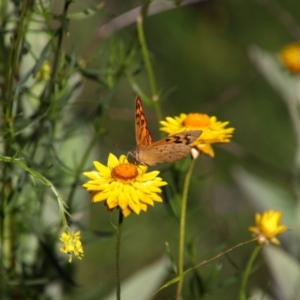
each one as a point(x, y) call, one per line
point(12, 66)
point(62, 206)
point(145, 53)
point(118, 248)
point(7, 218)
point(242, 293)
point(182, 228)
point(57, 53)
point(13, 60)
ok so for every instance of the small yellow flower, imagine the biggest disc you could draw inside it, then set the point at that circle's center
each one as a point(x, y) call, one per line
point(268, 227)
point(213, 131)
point(124, 185)
point(44, 72)
point(72, 244)
point(290, 57)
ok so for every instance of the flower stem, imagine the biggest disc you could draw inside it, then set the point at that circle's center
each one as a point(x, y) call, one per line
point(182, 228)
point(145, 53)
point(58, 52)
point(242, 293)
point(118, 247)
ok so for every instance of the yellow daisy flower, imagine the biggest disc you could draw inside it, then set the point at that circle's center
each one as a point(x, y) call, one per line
point(213, 131)
point(290, 57)
point(268, 227)
point(124, 185)
point(72, 244)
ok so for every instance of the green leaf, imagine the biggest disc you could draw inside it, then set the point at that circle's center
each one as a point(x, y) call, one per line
point(286, 271)
point(265, 195)
point(258, 294)
point(143, 283)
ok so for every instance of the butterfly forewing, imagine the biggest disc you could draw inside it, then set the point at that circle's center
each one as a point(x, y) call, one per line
point(142, 134)
point(169, 149)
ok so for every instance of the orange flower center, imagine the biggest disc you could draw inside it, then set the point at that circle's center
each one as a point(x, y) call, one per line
point(195, 120)
point(125, 172)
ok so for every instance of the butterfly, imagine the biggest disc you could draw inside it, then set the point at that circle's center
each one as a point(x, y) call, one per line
point(166, 150)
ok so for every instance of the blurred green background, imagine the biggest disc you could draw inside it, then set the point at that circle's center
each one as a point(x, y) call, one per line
point(200, 56)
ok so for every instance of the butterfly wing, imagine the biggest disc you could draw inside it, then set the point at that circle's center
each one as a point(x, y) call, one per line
point(142, 134)
point(169, 149)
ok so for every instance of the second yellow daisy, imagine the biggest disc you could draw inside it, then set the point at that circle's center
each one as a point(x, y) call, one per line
point(213, 131)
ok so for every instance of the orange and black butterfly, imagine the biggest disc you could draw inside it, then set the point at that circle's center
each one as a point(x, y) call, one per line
point(166, 150)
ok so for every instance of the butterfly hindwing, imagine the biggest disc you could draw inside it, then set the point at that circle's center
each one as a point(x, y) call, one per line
point(169, 149)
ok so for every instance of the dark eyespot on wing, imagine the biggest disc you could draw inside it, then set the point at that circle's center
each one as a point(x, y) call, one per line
point(178, 142)
point(184, 138)
point(175, 139)
point(190, 138)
